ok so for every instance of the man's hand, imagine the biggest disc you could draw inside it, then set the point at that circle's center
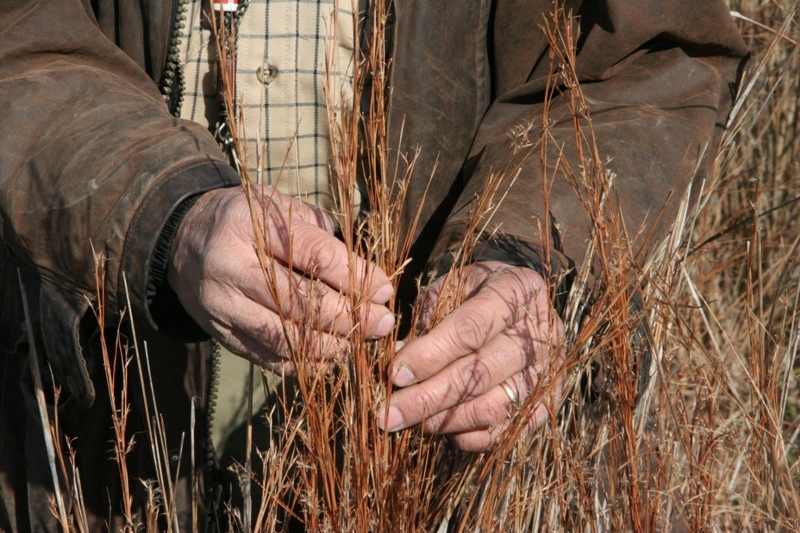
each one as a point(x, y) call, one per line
point(215, 272)
point(460, 377)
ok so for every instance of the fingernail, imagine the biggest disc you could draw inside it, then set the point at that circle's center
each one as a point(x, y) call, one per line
point(392, 420)
point(385, 326)
point(403, 376)
point(383, 294)
point(399, 346)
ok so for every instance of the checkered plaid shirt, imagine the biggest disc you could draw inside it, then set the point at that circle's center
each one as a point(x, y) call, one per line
point(280, 84)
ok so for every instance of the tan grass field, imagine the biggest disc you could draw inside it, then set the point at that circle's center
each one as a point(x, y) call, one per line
point(712, 444)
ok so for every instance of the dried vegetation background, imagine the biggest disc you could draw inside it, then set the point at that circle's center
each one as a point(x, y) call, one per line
point(711, 444)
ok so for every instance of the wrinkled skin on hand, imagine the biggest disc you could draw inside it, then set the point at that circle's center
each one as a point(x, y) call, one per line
point(450, 378)
point(214, 270)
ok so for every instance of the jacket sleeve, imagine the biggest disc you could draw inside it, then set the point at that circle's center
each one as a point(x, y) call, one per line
point(658, 78)
point(91, 161)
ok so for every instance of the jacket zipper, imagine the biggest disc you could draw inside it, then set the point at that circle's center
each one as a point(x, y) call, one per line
point(214, 359)
point(172, 89)
point(172, 82)
point(211, 474)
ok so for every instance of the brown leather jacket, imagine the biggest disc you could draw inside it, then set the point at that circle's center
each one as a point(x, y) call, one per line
point(92, 159)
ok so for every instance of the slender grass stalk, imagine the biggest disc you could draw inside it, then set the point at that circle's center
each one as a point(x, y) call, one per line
point(45, 418)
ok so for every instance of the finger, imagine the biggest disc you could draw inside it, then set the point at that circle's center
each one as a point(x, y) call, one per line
point(259, 335)
point(483, 440)
point(412, 406)
point(300, 237)
point(304, 300)
point(477, 275)
point(315, 252)
point(502, 300)
point(470, 376)
point(495, 407)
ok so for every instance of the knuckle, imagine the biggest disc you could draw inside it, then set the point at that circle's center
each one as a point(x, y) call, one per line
point(485, 413)
point(320, 251)
point(474, 414)
point(495, 412)
point(333, 312)
point(436, 424)
point(425, 404)
point(272, 337)
point(329, 346)
point(320, 218)
point(474, 378)
point(288, 295)
point(469, 331)
point(527, 381)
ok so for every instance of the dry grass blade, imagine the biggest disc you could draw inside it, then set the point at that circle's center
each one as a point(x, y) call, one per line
point(45, 419)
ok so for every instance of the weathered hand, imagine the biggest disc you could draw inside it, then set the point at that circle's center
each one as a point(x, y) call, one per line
point(215, 272)
point(451, 377)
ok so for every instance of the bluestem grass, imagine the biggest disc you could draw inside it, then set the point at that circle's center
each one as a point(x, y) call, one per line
point(711, 443)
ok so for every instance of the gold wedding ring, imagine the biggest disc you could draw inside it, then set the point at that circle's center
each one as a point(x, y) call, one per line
point(509, 390)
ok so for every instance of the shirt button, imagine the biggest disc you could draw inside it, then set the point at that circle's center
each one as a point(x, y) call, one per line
point(266, 73)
